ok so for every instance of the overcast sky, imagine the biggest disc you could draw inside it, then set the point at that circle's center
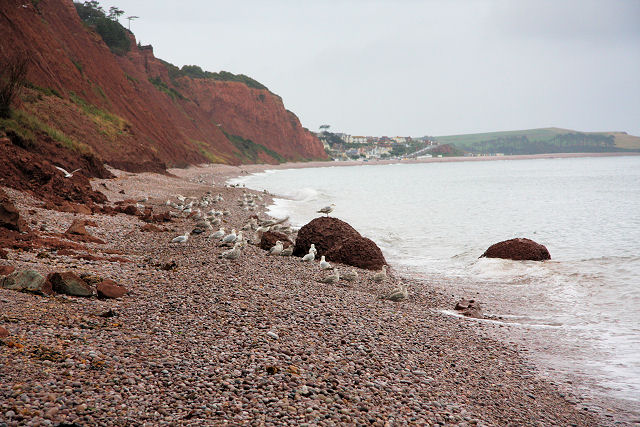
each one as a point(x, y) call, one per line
point(414, 68)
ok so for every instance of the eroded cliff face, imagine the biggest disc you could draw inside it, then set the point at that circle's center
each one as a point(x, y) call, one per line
point(127, 111)
point(231, 104)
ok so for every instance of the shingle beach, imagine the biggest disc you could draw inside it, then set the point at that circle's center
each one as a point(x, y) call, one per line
point(258, 340)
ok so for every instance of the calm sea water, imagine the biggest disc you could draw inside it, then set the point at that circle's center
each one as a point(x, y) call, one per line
point(436, 219)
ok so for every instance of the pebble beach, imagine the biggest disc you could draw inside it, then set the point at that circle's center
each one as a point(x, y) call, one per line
point(253, 341)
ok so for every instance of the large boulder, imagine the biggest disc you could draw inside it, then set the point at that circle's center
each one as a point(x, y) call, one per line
point(9, 215)
point(338, 242)
point(519, 249)
point(70, 284)
point(269, 239)
point(27, 280)
point(361, 252)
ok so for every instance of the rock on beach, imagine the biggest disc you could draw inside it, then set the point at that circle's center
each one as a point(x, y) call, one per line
point(9, 215)
point(469, 308)
point(269, 239)
point(110, 289)
point(27, 280)
point(339, 242)
point(519, 249)
point(70, 284)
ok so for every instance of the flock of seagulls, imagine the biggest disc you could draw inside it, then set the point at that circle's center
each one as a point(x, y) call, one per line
point(236, 241)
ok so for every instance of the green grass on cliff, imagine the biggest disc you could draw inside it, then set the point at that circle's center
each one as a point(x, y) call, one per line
point(205, 150)
point(26, 127)
point(163, 87)
point(544, 140)
point(108, 124)
point(249, 150)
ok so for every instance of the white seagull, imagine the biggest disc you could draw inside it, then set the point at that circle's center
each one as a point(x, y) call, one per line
point(218, 234)
point(277, 249)
point(66, 173)
point(324, 264)
point(327, 209)
point(231, 237)
point(181, 239)
point(310, 256)
point(232, 253)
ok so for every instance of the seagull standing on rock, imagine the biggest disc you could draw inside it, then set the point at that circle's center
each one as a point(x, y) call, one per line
point(327, 209)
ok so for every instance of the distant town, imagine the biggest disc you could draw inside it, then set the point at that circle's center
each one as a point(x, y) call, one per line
point(342, 146)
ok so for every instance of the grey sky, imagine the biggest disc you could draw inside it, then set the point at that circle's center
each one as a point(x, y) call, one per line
point(409, 67)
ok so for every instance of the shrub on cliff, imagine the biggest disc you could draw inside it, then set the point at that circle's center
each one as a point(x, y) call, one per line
point(196, 72)
point(112, 32)
point(13, 74)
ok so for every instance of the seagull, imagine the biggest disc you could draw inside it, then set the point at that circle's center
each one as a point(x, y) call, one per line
point(287, 251)
point(218, 234)
point(381, 275)
point(334, 278)
point(324, 264)
point(66, 173)
point(398, 294)
point(313, 249)
point(181, 239)
point(277, 249)
point(232, 253)
point(230, 238)
point(263, 229)
point(327, 209)
point(350, 276)
point(310, 256)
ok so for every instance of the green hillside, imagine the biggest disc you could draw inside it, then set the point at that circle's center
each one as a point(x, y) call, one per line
point(545, 140)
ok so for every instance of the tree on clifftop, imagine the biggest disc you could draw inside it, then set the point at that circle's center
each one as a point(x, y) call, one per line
point(112, 32)
point(115, 13)
point(13, 75)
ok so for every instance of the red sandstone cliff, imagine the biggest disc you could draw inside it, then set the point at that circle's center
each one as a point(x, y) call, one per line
point(108, 106)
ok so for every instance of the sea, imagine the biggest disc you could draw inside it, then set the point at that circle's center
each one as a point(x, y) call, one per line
point(579, 312)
